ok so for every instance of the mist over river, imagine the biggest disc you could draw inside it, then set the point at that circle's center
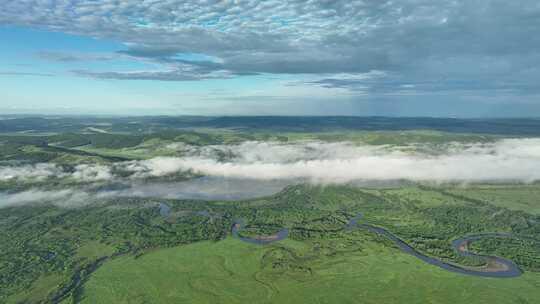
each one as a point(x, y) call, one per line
point(204, 188)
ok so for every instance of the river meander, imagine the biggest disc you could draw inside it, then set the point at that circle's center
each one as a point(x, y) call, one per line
point(496, 267)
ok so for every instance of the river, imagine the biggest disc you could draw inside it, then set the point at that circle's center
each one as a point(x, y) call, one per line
point(497, 267)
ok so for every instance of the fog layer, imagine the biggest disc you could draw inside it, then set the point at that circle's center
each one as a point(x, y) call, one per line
point(319, 162)
point(509, 159)
point(254, 169)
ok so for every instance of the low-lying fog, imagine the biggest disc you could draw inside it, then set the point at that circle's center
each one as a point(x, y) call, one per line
point(205, 188)
point(262, 168)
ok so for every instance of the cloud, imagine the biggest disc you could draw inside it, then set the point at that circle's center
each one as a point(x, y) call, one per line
point(74, 57)
point(12, 73)
point(168, 75)
point(253, 169)
point(317, 162)
point(206, 188)
point(64, 197)
point(39, 171)
point(159, 166)
point(86, 172)
point(506, 160)
point(44, 171)
point(424, 46)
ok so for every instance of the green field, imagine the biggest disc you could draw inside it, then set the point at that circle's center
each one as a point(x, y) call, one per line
point(230, 271)
point(515, 197)
point(123, 251)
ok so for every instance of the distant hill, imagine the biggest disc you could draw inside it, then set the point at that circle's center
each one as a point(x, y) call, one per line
point(149, 124)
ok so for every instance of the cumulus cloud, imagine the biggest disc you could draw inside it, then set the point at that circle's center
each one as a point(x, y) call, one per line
point(435, 46)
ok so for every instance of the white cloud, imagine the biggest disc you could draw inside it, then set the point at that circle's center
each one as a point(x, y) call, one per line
point(64, 197)
point(510, 159)
point(320, 162)
point(38, 172)
point(159, 166)
point(432, 45)
point(86, 172)
point(252, 168)
point(43, 171)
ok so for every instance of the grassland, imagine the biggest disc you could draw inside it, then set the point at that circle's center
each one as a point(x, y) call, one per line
point(515, 197)
point(229, 271)
point(124, 251)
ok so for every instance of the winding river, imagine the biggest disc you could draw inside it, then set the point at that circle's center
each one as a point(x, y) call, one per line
point(260, 240)
point(496, 267)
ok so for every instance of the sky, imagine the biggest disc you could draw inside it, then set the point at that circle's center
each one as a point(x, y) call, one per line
point(447, 58)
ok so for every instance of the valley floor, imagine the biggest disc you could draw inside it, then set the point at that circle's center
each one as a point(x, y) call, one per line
point(230, 271)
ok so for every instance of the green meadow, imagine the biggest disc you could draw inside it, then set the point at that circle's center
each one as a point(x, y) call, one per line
point(124, 251)
point(230, 271)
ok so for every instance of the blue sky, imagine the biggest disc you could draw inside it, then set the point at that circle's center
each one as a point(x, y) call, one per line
point(477, 58)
